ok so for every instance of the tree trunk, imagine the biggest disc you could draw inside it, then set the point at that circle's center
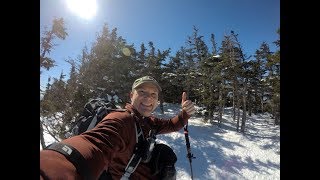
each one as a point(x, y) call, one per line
point(238, 116)
point(235, 97)
point(234, 104)
point(249, 103)
point(256, 97)
point(276, 114)
point(43, 144)
point(244, 110)
point(262, 107)
point(220, 105)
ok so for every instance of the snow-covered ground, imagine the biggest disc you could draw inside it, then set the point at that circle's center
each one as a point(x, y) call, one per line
point(223, 153)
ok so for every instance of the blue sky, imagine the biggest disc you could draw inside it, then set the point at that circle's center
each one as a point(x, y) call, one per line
point(167, 23)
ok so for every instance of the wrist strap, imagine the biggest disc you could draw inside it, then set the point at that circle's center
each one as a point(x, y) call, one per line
point(74, 156)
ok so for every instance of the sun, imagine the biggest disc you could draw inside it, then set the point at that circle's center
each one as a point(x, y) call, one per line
point(85, 9)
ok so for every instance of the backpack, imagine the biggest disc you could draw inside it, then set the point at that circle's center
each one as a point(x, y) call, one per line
point(94, 111)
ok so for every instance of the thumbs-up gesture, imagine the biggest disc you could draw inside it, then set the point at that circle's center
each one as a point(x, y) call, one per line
point(187, 105)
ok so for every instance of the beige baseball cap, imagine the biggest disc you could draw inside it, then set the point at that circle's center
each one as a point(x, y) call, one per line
point(146, 79)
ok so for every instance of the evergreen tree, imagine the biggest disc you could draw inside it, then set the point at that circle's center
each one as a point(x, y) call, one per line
point(53, 106)
point(210, 77)
point(174, 73)
point(57, 30)
point(196, 51)
point(229, 67)
point(273, 80)
point(260, 86)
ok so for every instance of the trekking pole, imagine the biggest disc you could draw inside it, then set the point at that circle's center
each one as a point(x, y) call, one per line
point(189, 154)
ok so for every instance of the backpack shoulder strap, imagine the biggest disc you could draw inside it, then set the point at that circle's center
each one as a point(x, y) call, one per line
point(100, 113)
point(92, 123)
point(136, 157)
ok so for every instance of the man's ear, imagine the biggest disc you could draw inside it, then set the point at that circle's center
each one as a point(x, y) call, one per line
point(131, 95)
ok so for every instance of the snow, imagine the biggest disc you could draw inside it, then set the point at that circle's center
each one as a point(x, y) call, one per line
point(223, 153)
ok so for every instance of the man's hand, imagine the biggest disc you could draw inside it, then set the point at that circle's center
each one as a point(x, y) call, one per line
point(187, 105)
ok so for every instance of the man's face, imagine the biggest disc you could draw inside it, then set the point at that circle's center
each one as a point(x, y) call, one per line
point(145, 99)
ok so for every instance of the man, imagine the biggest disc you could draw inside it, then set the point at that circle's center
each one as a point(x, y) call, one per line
point(111, 143)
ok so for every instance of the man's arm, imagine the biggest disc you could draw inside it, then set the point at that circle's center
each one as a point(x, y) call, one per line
point(176, 123)
point(97, 146)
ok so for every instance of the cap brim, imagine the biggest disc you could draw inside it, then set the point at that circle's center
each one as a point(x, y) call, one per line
point(151, 82)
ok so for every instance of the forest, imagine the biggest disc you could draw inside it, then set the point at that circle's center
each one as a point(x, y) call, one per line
point(214, 76)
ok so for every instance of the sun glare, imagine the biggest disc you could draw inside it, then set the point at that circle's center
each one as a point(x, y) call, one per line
point(85, 9)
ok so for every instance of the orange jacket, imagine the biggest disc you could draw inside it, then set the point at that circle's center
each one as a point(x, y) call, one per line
point(109, 145)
